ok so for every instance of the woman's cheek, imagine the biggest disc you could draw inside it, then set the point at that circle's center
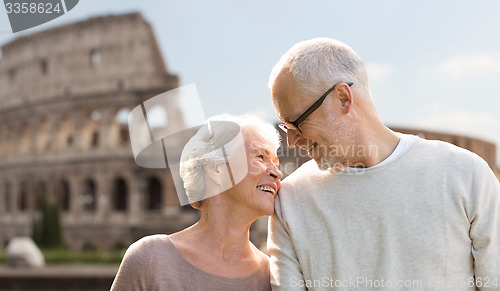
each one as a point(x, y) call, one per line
point(253, 167)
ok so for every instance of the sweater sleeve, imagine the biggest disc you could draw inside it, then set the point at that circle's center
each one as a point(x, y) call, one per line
point(286, 273)
point(134, 268)
point(485, 227)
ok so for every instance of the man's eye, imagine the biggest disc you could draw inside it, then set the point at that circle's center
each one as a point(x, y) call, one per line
point(260, 156)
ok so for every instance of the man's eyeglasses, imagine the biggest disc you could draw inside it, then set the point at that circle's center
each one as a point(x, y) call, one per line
point(294, 125)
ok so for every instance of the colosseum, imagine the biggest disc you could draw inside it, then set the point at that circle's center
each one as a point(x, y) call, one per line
point(64, 135)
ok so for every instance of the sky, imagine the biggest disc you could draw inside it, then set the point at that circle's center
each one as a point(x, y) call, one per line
point(432, 65)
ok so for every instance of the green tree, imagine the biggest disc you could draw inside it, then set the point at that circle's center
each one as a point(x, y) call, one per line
point(47, 230)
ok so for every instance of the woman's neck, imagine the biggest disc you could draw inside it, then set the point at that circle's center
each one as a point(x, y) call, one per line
point(219, 242)
point(225, 234)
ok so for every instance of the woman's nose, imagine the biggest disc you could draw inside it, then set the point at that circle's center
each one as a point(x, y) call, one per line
point(274, 172)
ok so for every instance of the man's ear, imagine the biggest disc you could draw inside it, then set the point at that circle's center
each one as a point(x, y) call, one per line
point(214, 173)
point(346, 97)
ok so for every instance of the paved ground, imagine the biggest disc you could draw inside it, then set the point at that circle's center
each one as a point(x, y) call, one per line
point(61, 271)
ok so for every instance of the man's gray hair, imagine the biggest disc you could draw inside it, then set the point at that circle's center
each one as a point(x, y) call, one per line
point(201, 149)
point(319, 63)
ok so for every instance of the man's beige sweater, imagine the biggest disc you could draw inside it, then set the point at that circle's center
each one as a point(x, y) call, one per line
point(428, 220)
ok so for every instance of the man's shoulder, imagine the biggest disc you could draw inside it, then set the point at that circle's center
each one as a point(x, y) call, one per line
point(445, 150)
point(301, 180)
point(443, 157)
point(303, 173)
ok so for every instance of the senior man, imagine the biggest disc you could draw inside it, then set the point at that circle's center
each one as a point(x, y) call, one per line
point(373, 209)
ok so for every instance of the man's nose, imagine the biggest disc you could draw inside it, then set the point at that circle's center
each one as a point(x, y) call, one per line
point(292, 138)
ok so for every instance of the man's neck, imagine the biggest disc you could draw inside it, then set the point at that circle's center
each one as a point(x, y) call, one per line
point(372, 147)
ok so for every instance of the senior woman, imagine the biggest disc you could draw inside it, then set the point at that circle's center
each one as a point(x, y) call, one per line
point(215, 253)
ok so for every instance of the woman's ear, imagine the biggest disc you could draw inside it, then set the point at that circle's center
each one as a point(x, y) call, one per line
point(214, 173)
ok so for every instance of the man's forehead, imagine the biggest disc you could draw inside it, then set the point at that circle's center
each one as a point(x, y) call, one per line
point(283, 83)
point(287, 98)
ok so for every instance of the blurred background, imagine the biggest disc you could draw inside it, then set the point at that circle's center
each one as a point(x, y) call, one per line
point(67, 174)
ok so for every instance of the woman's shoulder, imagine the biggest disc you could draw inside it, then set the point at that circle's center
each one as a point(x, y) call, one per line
point(141, 263)
point(150, 240)
point(148, 245)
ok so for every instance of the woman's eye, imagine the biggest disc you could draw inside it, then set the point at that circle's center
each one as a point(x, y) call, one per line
point(260, 157)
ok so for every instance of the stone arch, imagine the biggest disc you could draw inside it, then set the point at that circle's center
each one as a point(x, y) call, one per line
point(63, 195)
point(91, 130)
point(40, 194)
point(23, 196)
point(154, 199)
point(65, 133)
point(11, 140)
point(3, 141)
point(95, 58)
point(24, 138)
point(120, 194)
point(42, 135)
point(7, 197)
point(119, 127)
point(44, 66)
point(89, 195)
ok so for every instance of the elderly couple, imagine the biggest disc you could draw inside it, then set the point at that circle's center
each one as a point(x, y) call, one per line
point(397, 213)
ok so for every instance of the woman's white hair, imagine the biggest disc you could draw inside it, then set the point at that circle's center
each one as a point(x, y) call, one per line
point(200, 150)
point(319, 63)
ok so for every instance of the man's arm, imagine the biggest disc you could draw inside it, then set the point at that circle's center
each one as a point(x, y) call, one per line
point(286, 273)
point(485, 228)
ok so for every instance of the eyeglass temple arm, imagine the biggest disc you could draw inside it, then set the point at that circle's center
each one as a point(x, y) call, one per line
point(316, 105)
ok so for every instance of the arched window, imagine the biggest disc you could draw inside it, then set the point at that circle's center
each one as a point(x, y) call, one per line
point(95, 58)
point(94, 139)
point(44, 66)
point(40, 194)
point(63, 195)
point(121, 123)
point(90, 132)
point(23, 146)
point(120, 195)
point(42, 136)
point(65, 132)
point(89, 197)
point(23, 196)
point(6, 196)
point(154, 197)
